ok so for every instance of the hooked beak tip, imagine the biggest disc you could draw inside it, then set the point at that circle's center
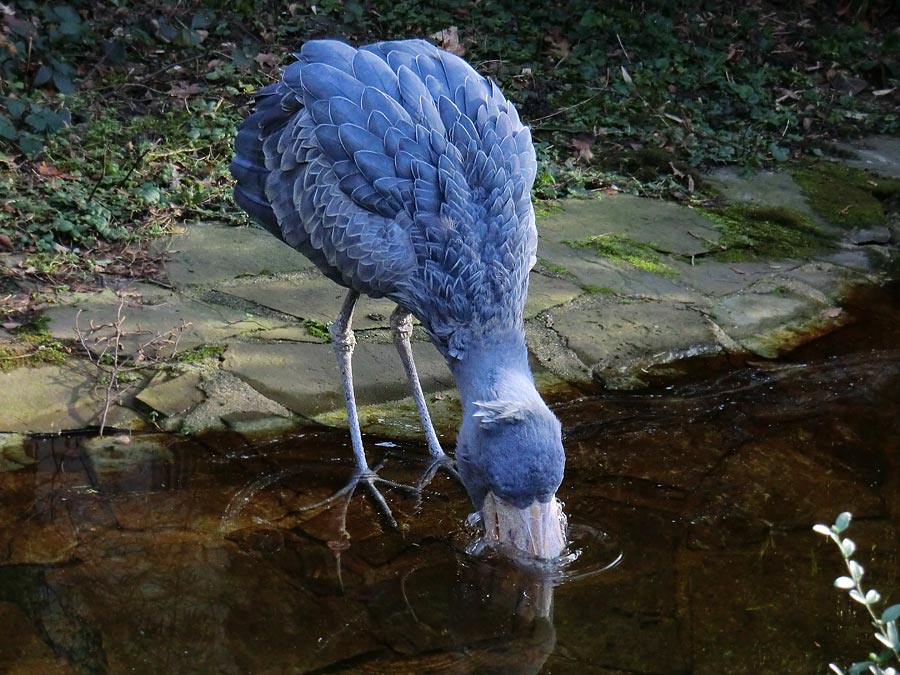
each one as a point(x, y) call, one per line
point(538, 530)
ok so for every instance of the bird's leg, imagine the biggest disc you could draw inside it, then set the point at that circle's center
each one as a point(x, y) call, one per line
point(343, 341)
point(401, 330)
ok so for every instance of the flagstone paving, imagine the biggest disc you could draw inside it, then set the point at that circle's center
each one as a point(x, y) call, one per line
point(254, 312)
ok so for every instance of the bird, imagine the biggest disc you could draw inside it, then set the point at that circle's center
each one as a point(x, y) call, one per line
point(403, 173)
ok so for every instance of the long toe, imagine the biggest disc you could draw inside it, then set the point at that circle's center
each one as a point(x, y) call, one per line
point(443, 463)
point(369, 480)
point(433, 465)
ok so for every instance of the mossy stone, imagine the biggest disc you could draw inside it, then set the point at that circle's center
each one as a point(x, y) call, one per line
point(623, 249)
point(846, 196)
point(750, 231)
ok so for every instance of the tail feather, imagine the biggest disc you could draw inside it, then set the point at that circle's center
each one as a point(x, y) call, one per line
point(249, 164)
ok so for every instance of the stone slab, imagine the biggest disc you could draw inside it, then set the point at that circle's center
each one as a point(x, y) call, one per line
point(227, 395)
point(172, 396)
point(764, 188)
point(771, 323)
point(876, 153)
point(589, 269)
point(313, 297)
point(292, 333)
point(545, 292)
point(208, 253)
point(304, 377)
point(12, 452)
point(743, 315)
point(711, 278)
point(50, 398)
point(664, 225)
point(111, 454)
point(617, 339)
point(156, 311)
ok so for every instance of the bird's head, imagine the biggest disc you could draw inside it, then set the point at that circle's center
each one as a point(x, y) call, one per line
point(510, 458)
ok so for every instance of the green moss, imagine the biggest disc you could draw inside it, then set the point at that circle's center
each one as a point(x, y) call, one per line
point(750, 231)
point(552, 268)
point(200, 353)
point(547, 207)
point(622, 249)
point(590, 289)
point(317, 329)
point(846, 196)
point(32, 345)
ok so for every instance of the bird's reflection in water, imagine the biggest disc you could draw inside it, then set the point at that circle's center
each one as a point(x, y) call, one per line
point(427, 604)
point(179, 544)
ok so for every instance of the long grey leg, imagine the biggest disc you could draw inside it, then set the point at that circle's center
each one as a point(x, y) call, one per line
point(401, 329)
point(343, 341)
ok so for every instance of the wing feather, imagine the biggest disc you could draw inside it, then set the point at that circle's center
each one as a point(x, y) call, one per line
point(400, 171)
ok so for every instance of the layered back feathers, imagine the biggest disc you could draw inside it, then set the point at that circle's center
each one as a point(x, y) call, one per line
point(400, 172)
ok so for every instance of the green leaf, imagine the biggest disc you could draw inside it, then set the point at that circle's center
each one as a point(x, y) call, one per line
point(892, 613)
point(15, 107)
point(36, 121)
point(66, 14)
point(843, 521)
point(63, 83)
point(149, 193)
point(7, 130)
point(779, 154)
point(42, 76)
point(893, 636)
point(30, 144)
point(848, 547)
point(844, 583)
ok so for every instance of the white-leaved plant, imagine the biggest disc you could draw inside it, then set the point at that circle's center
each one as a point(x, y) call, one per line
point(886, 625)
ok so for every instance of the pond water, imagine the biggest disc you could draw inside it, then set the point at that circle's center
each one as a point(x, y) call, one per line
point(691, 502)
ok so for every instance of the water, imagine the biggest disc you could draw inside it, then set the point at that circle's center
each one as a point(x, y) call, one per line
point(691, 506)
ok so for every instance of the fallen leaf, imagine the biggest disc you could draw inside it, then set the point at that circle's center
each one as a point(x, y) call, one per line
point(183, 89)
point(626, 76)
point(6, 242)
point(267, 60)
point(560, 47)
point(48, 170)
point(582, 145)
point(449, 40)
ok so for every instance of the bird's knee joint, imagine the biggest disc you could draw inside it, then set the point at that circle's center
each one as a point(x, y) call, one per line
point(401, 325)
point(342, 339)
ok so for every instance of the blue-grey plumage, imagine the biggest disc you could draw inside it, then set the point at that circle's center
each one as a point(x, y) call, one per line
point(401, 172)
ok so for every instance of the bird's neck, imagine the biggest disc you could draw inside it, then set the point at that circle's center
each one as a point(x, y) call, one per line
point(490, 368)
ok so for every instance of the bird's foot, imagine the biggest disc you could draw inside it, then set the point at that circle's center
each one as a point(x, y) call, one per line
point(434, 463)
point(441, 462)
point(369, 480)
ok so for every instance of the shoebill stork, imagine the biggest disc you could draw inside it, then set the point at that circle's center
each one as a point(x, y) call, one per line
point(403, 173)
